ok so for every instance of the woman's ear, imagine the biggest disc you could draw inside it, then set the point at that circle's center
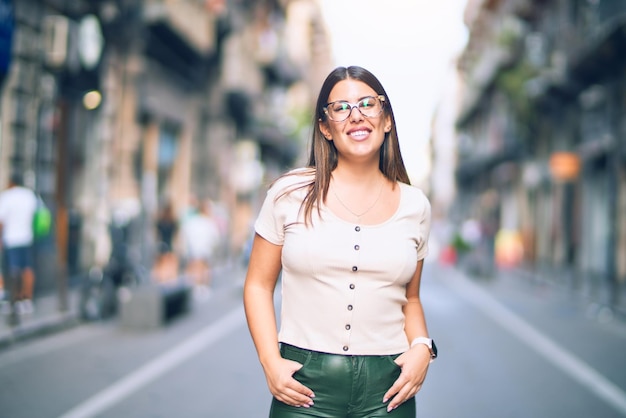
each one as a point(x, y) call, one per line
point(324, 130)
point(387, 124)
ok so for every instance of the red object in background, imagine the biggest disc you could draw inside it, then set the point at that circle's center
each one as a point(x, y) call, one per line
point(447, 256)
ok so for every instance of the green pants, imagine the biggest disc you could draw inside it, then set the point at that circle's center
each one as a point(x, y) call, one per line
point(344, 386)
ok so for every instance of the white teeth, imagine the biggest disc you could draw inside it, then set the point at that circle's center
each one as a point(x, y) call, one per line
point(359, 134)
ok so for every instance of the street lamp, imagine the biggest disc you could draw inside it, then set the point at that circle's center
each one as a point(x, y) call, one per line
point(92, 99)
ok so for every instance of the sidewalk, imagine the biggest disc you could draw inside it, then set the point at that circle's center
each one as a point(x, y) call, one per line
point(596, 291)
point(46, 318)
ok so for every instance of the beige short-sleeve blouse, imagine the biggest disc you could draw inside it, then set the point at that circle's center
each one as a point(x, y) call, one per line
point(343, 284)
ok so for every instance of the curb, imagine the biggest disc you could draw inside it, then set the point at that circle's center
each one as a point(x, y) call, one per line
point(38, 327)
point(56, 321)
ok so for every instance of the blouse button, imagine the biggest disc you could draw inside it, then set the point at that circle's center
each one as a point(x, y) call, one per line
point(352, 286)
point(356, 247)
point(357, 228)
point(354, 268)
point(345, 348)
point(349, 307)
point(348, 326)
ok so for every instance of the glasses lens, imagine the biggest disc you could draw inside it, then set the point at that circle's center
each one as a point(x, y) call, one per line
point(339, 111)
point(368, 106)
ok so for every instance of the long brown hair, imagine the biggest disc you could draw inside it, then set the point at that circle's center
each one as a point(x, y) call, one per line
point(323, 153)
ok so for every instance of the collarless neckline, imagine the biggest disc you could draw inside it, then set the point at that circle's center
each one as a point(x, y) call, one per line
point(393, 216)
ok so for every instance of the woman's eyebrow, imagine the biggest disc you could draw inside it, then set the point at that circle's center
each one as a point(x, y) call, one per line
point(357, 100)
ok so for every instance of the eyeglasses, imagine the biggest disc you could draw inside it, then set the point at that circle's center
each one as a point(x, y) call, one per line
point(370, 107)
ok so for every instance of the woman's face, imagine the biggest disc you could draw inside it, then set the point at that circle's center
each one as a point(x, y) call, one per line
point(358, 137)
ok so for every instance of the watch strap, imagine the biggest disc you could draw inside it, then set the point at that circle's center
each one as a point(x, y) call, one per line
point(428, 342)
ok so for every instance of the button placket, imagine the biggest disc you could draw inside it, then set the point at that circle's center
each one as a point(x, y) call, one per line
point(356, 247)
point(350, 307)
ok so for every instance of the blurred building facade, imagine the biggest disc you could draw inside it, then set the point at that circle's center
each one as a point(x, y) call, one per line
point(542, 138)
point(111, 108)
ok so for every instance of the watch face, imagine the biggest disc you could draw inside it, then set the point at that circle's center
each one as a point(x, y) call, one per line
point(434, 349)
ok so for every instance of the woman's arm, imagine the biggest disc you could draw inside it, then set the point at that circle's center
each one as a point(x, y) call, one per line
point(414, 363)
point(258, 296)
point(415, 321)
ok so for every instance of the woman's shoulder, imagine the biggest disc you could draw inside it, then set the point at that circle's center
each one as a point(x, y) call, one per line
point(413, 191)
point(292, 180)
point(415, 199)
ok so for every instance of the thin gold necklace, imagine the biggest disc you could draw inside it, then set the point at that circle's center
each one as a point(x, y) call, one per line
point(358, 215)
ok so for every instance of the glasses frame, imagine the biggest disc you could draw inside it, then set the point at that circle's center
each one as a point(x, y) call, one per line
point(353, 106)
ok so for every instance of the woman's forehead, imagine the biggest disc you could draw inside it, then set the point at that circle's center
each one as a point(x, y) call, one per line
point(350, 90)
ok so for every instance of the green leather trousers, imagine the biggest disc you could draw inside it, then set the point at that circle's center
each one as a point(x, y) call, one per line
point(344, 386)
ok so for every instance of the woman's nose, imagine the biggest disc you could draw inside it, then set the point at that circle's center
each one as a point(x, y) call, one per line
point(355, 116)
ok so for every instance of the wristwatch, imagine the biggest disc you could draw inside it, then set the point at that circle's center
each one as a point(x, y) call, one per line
point(428, 342)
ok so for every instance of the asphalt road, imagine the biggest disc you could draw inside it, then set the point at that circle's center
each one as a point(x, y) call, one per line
point(508, 348)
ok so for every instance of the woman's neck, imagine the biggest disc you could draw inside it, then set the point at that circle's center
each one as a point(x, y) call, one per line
point(362, 174)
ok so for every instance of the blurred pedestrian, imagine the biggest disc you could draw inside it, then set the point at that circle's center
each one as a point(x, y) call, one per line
point(17, 209)
point(166, 266)
point(200, 238)
point(349, 234)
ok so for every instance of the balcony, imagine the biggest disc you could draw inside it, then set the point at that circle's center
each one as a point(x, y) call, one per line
point(598, 37)
point(487, 55)
point(180, 36)
point(597, 16)
point(186, 18)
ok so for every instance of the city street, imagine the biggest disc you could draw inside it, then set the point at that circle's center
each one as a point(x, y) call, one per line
point(142, 139)
point(507, 348)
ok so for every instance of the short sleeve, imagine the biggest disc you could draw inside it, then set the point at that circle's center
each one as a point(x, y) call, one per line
point(281, 206)
point(269, 224)
point(424, 228)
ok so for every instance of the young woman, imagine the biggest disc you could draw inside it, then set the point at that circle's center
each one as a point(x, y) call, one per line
point(349, 235)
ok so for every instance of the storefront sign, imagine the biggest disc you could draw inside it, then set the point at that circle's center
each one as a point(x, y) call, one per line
point(564, 166)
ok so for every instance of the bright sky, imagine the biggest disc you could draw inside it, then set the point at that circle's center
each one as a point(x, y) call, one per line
point(409, 46)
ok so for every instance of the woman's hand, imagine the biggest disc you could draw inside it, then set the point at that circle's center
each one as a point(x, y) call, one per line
point(414, 365)
point(284, 387)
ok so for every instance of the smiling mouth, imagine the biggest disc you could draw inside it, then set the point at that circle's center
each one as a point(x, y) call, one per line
point(359, 134)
